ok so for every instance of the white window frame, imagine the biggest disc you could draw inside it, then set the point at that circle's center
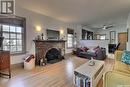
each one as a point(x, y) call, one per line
point(103, 37)
point(9, 43)
point(70, 40)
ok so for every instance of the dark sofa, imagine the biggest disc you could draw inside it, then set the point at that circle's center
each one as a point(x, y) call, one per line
point(100, 54)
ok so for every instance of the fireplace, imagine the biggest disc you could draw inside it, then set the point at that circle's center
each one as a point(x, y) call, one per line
point(53, 55)
point(49, 51)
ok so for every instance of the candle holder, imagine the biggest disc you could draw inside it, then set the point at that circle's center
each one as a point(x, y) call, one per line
point(38, 37)
point(42, 35)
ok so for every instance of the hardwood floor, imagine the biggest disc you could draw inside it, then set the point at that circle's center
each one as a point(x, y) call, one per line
point(52, 75)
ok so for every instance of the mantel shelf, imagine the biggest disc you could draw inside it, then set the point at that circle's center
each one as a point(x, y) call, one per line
point(49, 40)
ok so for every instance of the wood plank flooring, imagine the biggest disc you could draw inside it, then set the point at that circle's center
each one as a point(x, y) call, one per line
point(52, 75)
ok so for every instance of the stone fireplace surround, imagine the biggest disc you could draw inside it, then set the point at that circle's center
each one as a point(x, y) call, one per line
point(43, 46)
point(54, 55)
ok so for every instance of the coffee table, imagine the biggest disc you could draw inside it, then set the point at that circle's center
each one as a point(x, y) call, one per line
point(92, 73)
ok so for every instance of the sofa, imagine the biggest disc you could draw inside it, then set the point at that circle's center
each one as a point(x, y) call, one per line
point(98, 53)
point(120, 75)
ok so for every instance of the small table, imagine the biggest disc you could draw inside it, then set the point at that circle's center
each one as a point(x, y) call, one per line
point(93, 73)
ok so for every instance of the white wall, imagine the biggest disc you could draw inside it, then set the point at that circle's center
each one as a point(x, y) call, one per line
point(94, 43)
point(117, 30)
point(33, 20)
point(128, 27)
point(119, 26)
point(119, 23)
point(79, 33)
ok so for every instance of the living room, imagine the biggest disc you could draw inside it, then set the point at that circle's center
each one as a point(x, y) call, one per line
point(77, 33)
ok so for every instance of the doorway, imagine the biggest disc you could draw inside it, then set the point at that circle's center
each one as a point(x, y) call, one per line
point(122, 39)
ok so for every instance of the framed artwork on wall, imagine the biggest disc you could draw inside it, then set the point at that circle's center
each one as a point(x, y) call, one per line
point(87, 35)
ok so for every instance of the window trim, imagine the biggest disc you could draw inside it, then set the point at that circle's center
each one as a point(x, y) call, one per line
point(72, 42)
point(102, 35)
point(23, 25)
point(70, 31)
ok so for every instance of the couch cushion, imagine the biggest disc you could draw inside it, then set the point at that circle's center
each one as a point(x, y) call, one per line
point(122, 67)
point(86, 49)
point(126, 57)
point(96, 47)
point(115, 79)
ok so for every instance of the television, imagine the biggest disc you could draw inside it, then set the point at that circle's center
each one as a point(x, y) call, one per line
point(53, 34)
point(1, 42)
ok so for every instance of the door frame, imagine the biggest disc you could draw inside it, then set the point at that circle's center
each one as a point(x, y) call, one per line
point(122, 33)
point(126, 38)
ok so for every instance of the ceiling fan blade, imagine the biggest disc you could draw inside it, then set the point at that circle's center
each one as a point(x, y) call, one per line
point(96, 28)
point(109, 27)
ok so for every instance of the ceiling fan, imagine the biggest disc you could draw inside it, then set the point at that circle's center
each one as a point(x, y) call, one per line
point(104, 27)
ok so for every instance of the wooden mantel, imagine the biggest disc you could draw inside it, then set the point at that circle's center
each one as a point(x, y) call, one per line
point(49, 40)
point(42, 47)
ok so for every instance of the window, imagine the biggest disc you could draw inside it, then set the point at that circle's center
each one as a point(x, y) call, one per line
point(102, 37)
point(7, 7)
point(70, 38)
point(14, 38)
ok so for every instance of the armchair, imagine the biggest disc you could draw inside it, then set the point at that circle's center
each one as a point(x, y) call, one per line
point(120, 76)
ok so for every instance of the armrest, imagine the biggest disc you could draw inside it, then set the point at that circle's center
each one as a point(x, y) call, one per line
point(115, 79)
point(118, 55)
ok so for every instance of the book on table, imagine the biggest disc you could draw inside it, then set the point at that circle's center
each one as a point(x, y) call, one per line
point(81, 80)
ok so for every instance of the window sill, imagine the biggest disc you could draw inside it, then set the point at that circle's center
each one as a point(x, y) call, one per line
point(16, 54)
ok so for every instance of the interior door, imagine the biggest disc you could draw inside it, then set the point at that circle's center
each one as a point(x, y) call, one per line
point(122, 39)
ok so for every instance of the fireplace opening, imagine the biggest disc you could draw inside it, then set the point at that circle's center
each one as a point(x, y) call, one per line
point(54, 55)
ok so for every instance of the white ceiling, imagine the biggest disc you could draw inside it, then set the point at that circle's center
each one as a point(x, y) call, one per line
point(77, 11)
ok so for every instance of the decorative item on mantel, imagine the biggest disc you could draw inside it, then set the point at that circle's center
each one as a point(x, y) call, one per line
point(63, 37)
point(42, 36)
point(38, 30)
point(38, 37)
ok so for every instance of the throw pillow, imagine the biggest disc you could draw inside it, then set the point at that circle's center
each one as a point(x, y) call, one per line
point(96, 47)
point(126, 57)
point(86, 49)
point(97, 50)
point(82, 49)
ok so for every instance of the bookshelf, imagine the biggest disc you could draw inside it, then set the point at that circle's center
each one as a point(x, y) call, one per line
point(88, 76)
point(81, 80)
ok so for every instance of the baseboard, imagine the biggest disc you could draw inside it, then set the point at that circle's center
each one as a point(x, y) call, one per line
point(110, 56)
point(67, 54)
point(18, 65)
